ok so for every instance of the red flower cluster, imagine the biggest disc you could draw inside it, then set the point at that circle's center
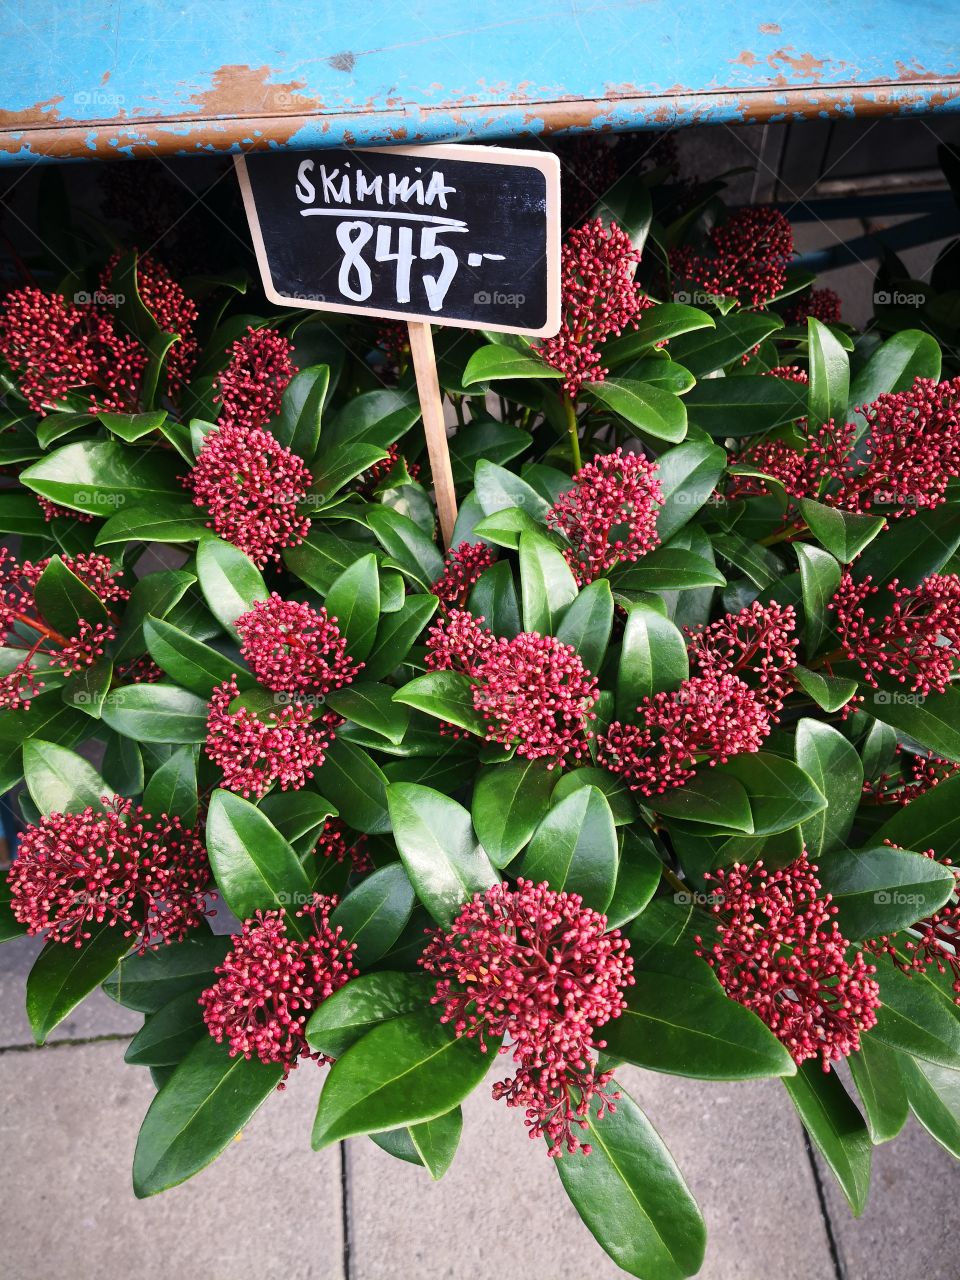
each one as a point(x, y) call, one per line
point(538, 967)
point(916, 639)
point(24, 630)
point(533, 691)
point(251, 486)
point(937, 941)
point(600, 298)
point(610, 514)
point(462, 567)
point(910, 453)
point(746, 257)
point(789, 373)
point(294, 648)
point(706, 721)
point(170, 307)
point(782, 955)
point(56, 347)
point(121, 867)
point(341, 844)
point(370, 480)
point(260, 368)
point(254, 753)
point(757, 644)
point(270, 983)
point(52, 510)
point(822, 304)
point(917, 775)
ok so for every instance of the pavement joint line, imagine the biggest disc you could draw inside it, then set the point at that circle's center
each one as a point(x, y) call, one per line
point(107, 1038)
point(840, 1271)
point(345, 1208)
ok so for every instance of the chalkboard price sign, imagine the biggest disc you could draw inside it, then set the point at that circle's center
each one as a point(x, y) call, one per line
point(453, 235)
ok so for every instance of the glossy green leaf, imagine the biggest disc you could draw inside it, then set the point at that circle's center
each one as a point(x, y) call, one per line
point(407, 545)
point(653, 659)
point(632, 1197)
point(494, 598)
point(688, 475)
point(931, 821)
point(509, 801)
point(911, 549)
point(587, 622)
point(436, 1141)
point(706, 798)
point(448, 695)
point(444, 859)
point(882, 1091)
point(781, 795)
point(60, 781)
point(357, 786)
point(732, 337)
point(500, 442)
point(158, 521)
point(64, 601)
point(829, 366)
point(667, 569)
point(362, 1003)
point(374, 914)
point(829, 692)
point(201, 1108)
point(297, 425)
point(744, 406)
point(147, 982)
point(371, 705)
point(917, 1015)
point(618, 795)
point(843, 533)
point(401, 1072)
point(168, 1035)
point(881, 890)
point(934, 1094)
point(650, 409)
point(894, 365)
point(658, 324)
point(230, 581)
point(819, 579)
point(63, 975)
point(496, 489)
point(496, 362)
point(547, 586)
point(354, 601)
point(932, 720)
point(396, 633)
point(575, 848)
point(376, 417)
point(836, 1128)
point(100, 476)
point(155, 594)
point(173, 788)
point(194, 665)
point(156, 713)
point(826, 756)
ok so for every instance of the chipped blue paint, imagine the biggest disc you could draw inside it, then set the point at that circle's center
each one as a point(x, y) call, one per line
point(126, 77)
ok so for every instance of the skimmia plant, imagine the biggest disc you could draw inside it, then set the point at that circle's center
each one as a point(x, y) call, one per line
point(655, 766)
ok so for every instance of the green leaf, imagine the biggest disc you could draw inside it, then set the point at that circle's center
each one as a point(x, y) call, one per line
point(335, 469)
point(679, 1020)
point(133, 426)
point(881, 890)
point(354, 602)
point(371, 705)
point(708, 799)
point(826, 756)
point(322, 557)
point(657, 324)
point(64, 601)
point(732, 337)
point(48, 719)
point(407, 545)
point(587, 622)
point(819, 579)
point(667, 569)
point(496, 489)
point(836, 1128)
point(494, 598)
point(60, 781)
point(377, 417)
point(547, 586)
point(781, 795)
point(934, 1094)
point(231, 583)
point(917, 1016)
point(829, 692)
point(632, 1197)
point(173, 788)
point(498, 441)
point(653, 659)
point(396, 633)
point(446, 863)
point(436, 1141)
point(88, 688)
point(575, 848)
point(931, 821)
point(197, 1113)
point(298, 423)
point(829, 375)
point(168, 1035)
point(63, 975)
point(166, 521)
point(638, 877)
point(650, 409)
point(363, 1003)
point(496, 362)
point(932, 720)
point(842, 533)
point(911, 549)
point(448, 695)
point(100, 476)
point(190, 662)
point(156, 713)
point(357, 786)
point(617, 794)
point(509, 801)
point(299, 816)
point(150, 981)
point(373, 915)
point(255, 868)
point(401, 1072)
point(882, 1091)
point(894, 365)
point(688, 476)
point(758, 563)
point(155, 594)
point(744, 406)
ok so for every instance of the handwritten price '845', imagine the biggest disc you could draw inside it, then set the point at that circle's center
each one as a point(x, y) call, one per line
point(355, 280)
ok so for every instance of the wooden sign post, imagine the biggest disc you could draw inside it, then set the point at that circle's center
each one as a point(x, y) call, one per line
point(453, 235)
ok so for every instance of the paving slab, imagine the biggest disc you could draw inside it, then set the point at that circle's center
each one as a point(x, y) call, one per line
point(98, 1015)
point(69, 1116)
point(739, 1147)
point(908, 1227)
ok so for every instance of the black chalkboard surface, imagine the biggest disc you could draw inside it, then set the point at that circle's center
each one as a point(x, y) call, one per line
point(454, 235)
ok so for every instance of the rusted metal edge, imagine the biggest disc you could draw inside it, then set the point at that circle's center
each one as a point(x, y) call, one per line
point(196, 135)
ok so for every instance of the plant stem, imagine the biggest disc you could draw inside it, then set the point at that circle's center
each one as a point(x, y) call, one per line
point(571, 413)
